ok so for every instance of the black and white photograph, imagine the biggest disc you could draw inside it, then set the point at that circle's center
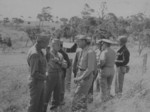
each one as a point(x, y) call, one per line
point(74, 55)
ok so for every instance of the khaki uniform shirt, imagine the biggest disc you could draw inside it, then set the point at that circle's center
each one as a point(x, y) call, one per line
point(37, 64)
point(55, 66)
point(107, 58)
point(87, 62)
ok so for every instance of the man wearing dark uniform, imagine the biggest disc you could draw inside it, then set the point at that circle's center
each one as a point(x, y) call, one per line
point(37, 65)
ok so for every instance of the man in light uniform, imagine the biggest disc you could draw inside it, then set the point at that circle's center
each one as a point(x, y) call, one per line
point(37, 65)
point(107, 62)
point(84, 76)
point(53, 84)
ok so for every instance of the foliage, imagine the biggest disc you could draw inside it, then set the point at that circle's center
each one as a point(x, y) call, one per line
point(6, 20)
point(87, 11)
point(32, 33)
point(45, 15)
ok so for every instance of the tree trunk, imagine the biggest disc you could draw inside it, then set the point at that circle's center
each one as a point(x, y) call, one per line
point(144, 67)
point(140, 47)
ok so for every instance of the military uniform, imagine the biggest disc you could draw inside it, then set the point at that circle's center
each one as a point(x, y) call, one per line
point(90, 94)
point(37, 64)
point(63, 75)
point(86, 67)
point(53, 83)
point(107, 62)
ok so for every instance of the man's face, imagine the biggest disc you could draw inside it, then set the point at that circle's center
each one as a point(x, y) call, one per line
point(56, 46)
point(104, 45)
point(81, 43)
point(120, 43)
point(44, 44)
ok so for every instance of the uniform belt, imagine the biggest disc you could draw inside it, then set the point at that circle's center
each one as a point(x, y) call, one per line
point(81, 69)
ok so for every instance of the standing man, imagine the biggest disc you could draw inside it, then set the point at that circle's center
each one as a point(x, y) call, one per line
point(53, 84)
point(37, 65)
point(107, 62)
point(84, 76)
point(63, 74)
point(122, 60)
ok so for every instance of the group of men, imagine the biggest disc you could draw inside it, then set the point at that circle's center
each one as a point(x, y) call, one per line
point(47, 72)
point(88, 64)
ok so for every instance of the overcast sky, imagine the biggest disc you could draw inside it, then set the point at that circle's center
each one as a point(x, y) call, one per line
point(68, 8)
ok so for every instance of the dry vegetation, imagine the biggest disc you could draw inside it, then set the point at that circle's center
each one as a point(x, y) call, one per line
point(14, 94)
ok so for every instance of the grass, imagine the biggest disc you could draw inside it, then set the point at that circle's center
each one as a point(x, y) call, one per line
point(14, 94)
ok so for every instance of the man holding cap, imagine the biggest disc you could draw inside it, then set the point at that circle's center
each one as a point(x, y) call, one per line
point(84, 78)
point(63, 74)
point(37, 65)
point(107, 62)
point(53, 84)
point(122, 60)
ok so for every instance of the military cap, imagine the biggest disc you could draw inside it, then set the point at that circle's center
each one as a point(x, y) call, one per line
point(80, 37)
point(106, 41)
point(83, 37)
point(55, 41)
point(123, 39)
point(43, 37)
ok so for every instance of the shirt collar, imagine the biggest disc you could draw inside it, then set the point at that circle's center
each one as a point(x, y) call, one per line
point(122, 47)
point(86, 48)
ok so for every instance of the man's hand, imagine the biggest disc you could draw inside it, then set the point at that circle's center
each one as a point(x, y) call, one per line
point(77, 80)
point(56, 60)
point(119, 61)
point(64, 64)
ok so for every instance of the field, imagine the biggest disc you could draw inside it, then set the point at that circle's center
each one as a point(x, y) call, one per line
point(14, 94)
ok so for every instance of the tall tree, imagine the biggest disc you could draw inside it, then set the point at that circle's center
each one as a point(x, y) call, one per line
point(17, 21)
point(87, 11)
point(45, 15)
point(64, 20)
point(5, 20)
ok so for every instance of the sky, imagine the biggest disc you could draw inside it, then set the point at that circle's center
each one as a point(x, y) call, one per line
point(69, 8)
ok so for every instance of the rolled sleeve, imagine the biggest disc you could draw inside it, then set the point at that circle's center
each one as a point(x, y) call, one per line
point(91, 64)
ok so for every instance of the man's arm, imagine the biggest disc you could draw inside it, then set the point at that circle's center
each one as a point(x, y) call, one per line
point(34, 66)
point(126, 56)
point(102, 60)
point(74, 65)
point(66, 58)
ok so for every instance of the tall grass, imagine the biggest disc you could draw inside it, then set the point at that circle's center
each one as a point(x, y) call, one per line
point(14, 95)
